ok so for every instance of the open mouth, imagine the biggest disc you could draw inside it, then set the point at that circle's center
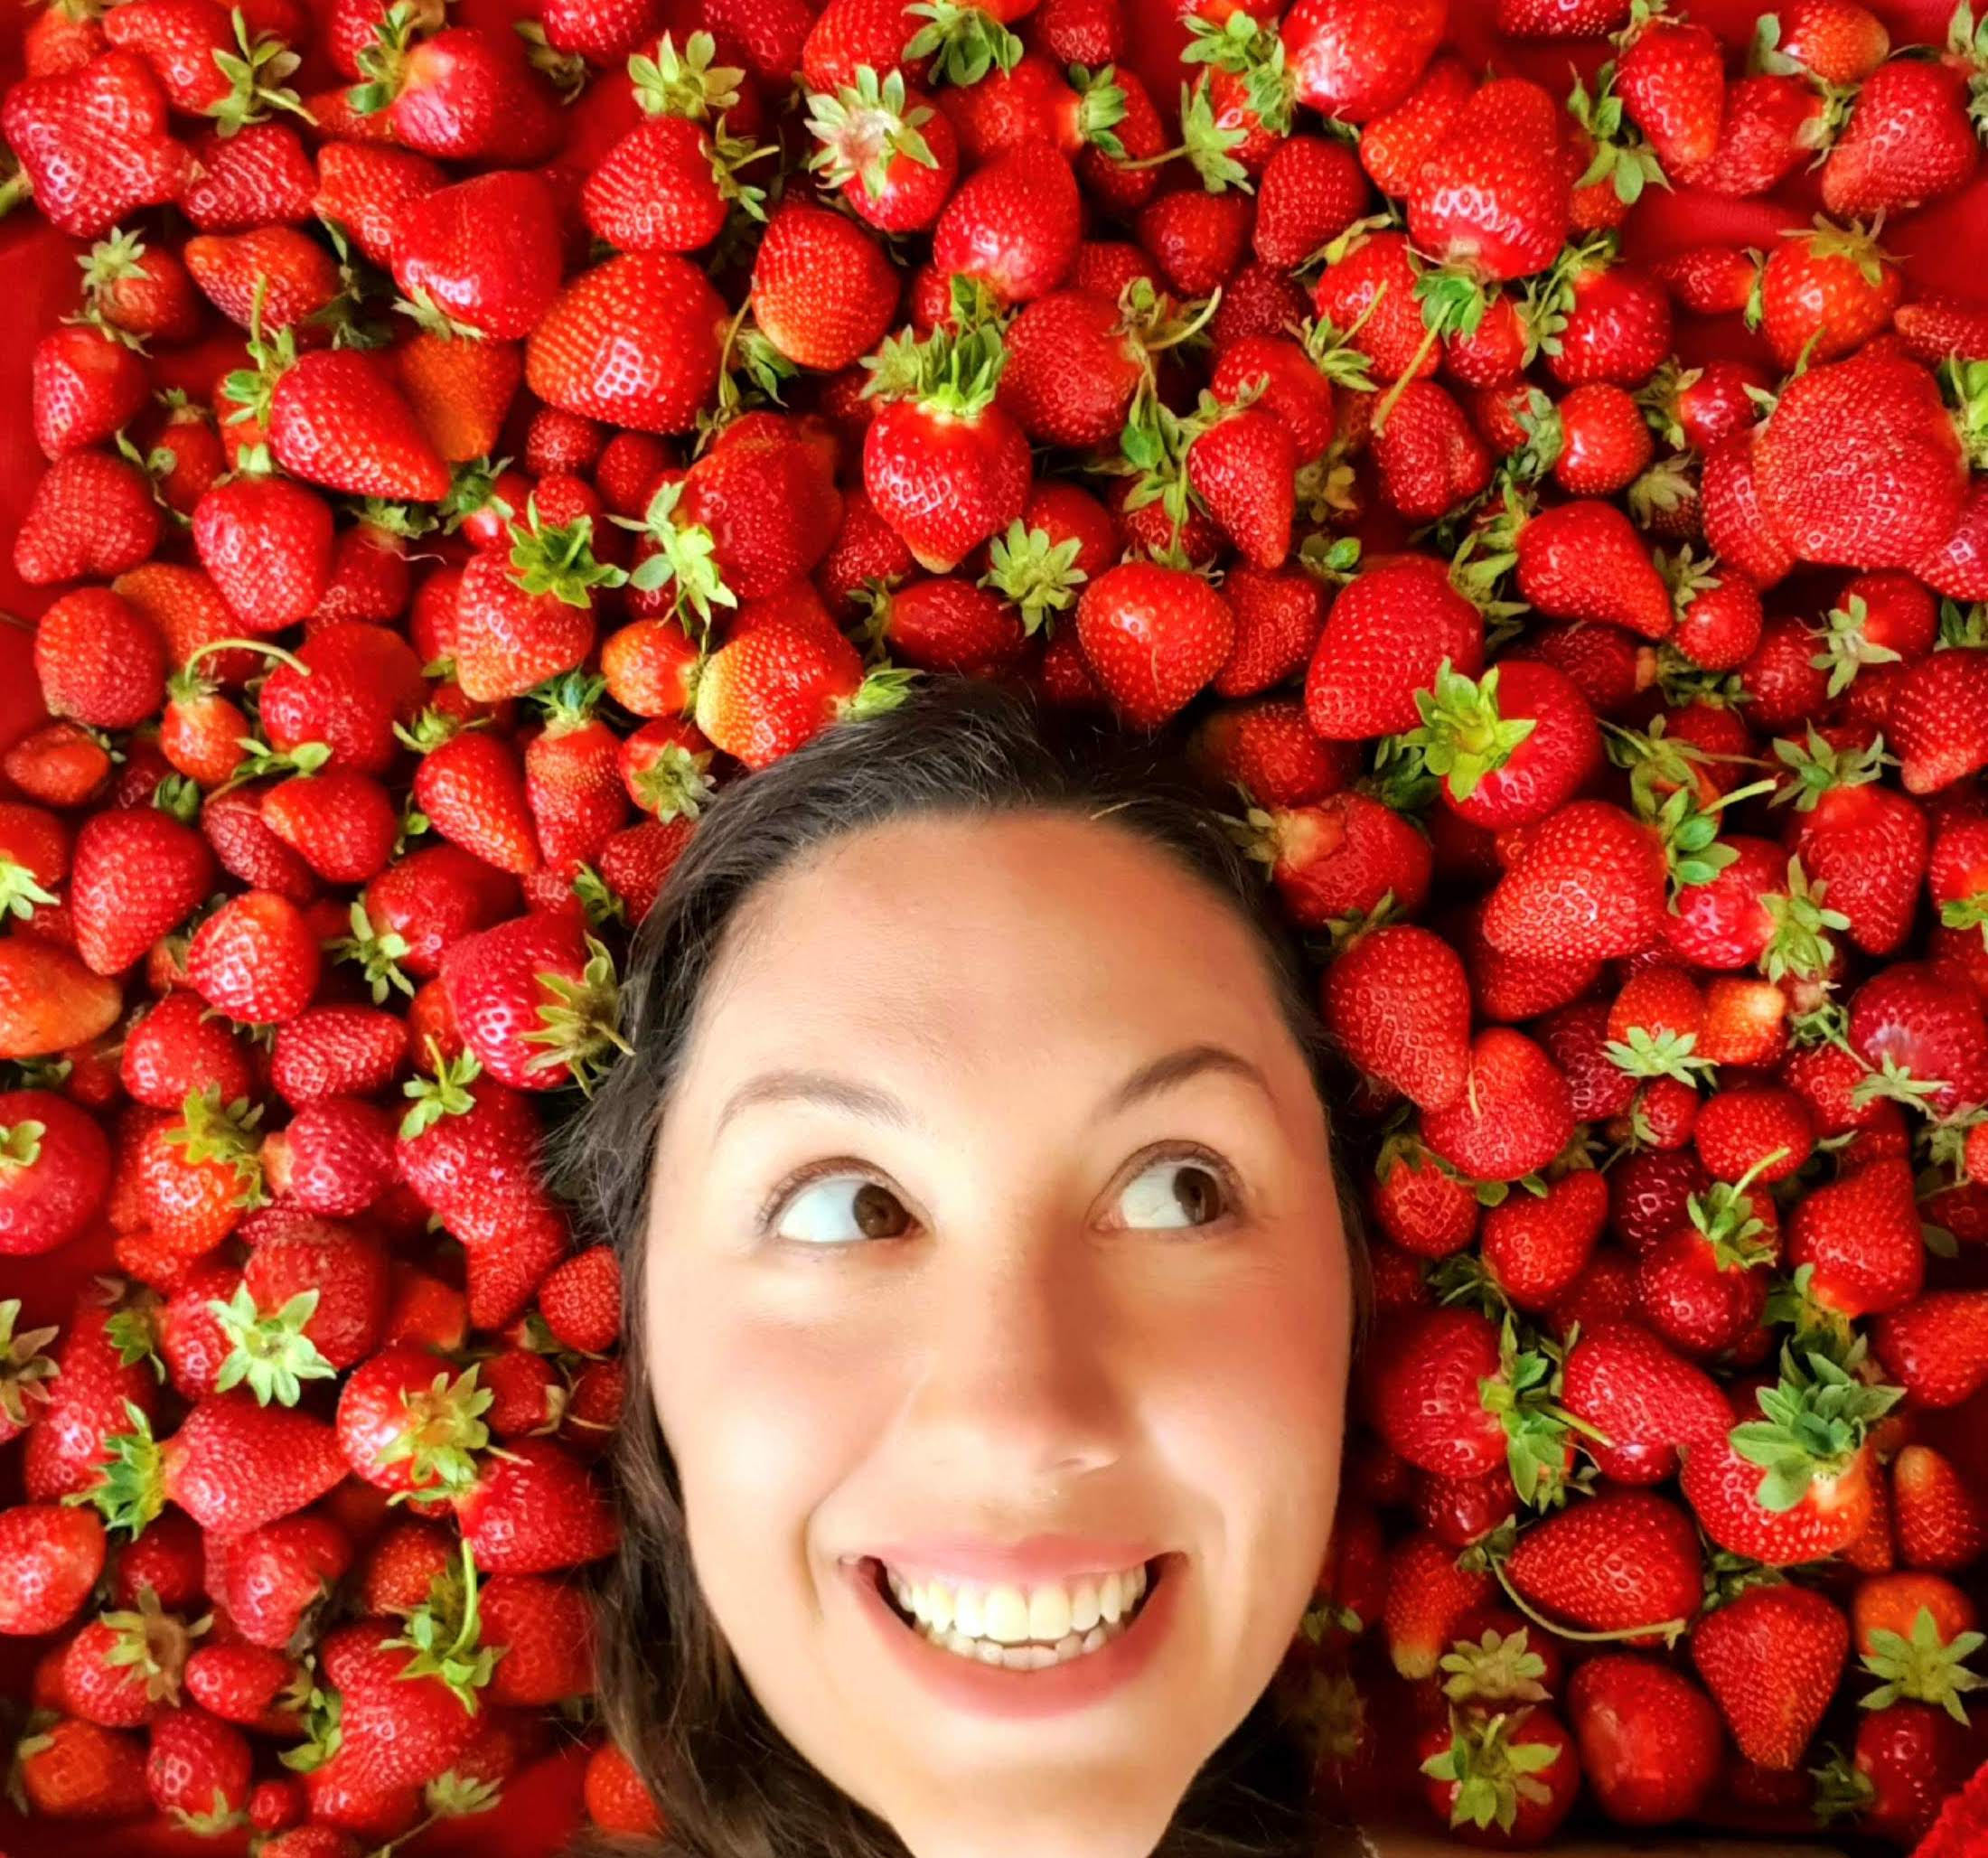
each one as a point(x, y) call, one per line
point(1020, 1630)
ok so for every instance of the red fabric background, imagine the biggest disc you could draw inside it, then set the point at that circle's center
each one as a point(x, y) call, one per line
point(1946, 250)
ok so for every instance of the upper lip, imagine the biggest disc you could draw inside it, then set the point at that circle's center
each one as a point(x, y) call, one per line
point(1017, 1563)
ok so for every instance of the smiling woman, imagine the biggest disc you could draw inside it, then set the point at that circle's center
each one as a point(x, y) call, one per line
point(991, 1302)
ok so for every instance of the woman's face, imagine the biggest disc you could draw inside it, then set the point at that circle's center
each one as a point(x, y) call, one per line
point(996, 1276)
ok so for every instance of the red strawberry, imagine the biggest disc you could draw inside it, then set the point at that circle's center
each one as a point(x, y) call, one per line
point(534, 998)
point(1588, 882)
point(1771, 1658)
point(1339, 858)
point(1514, 1114)
point(1153, 636)
point(135, 875)
point(336, 421)
point(534, 1511)
point(1672, 81)
point(1354, 59)
point(526, 614)
point(463, 94)
point(1014, 225)
point(1508, 1777)
point(54, 1171)
point(53, 1555)
point(1940, 1520)
point(1936, 1347)
point(769, 690)
point(406, 1423)
point(267, 545)
point(942, 463)
point(636, 342)
point(1643, 1400)
point(1880, 500)
point(1398, 1002)
point(824, 290)
point(1491, 199)
point(1511, 747)
point(1826, 292)
point(1649, 1739)
point(1536, 1247)
point(93, 143)
point(484, 253)
point(98, 659)
point(1907, 141)
point(1623, 1563)
point(255, 959)
point(1386, 637)
point(1584, 560)
point(1937, 721)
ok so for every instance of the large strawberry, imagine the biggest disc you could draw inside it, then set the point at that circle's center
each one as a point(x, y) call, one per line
point(943, 464)
point(1398, 1002)
point(94, 143)
point(1153, 636)
point(526, 614)
point(535, 998)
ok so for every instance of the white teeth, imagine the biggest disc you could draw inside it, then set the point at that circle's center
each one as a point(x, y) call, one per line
point(1022, 1630)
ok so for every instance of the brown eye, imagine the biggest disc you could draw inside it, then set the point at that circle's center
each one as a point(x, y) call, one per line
point(1176, 1192)
point(842, 1209)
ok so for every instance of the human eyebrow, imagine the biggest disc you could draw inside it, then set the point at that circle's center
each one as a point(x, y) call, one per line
point(1160, 1074)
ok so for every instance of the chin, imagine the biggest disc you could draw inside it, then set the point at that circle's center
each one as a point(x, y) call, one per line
point(1089, 1826)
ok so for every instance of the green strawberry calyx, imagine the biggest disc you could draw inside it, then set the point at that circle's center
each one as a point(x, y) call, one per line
point(1037, 577)
point(864, 128)
point(1819, 767)
point(255, 71)
point(444, 1092)
point(1724, 1217)
point(1815, 1423)
point(1499, 1667)
point(1491, 1774)
point(151, 1645)
point(1523, 1397)
point(1923, 1667)
point(445, 1634)
point(210, 1130)
point(559, 560)
point(268, 1351)
point(686, 83)
point(1661, 1054)
point(1622, 157)
point(955, 373)
point(443, 1430)
point(963, 43)
point(378, 955)
point(131, 1490)
point(25, 1368)
point(1800, 943)
point(1464, 736)
point(683, 555)
point(577, 1020)
point(676, 783)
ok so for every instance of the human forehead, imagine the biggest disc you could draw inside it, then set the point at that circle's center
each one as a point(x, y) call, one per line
point(973, 918)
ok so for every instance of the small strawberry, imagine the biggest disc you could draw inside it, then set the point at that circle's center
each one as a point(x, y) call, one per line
point(1514, 1114)
point(1153, 636)
point(1826, 292)
point(1649, 1739)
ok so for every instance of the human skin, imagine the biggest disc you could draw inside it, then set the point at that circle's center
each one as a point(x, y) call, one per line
point(1066, 1326)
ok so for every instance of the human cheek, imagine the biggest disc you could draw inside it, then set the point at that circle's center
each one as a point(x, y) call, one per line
point(766, 1416)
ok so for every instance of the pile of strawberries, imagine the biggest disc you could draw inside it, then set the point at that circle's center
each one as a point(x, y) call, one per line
point(478, 441)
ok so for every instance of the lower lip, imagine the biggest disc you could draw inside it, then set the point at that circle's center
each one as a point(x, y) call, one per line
point(993, 1690)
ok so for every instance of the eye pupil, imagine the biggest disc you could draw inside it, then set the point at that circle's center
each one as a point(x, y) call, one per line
point(1199, 1193)
point(878, 1212)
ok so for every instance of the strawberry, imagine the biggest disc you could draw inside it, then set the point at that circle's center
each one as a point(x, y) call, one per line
point(1908, 1759)
point(267, 545)
point(403, 1714)
point(1514, 1115)
point(526, 615)
point(1644, 1401)
point(1588, 882)
point(1418, 1205)
point(53, 1556)
point(406, 1423)
point(1936, 1347)
point(93, 143)
point(1013, 225)
point(1771, 1658)
point(1928, 1042)
point(271, 277)
point(535, 1511)
point(1427, 1594)
point(335, 1157)
point(946, 624)
point(1839, 40)
point(635, 342)
point(1387, 636)
point(259, 175)
point(893, 157)
point(1511, 747)
point(471, 788)
point(1504, 1777)
point(1491, 199)
point(1905, 466)
point(1671, 80)
point(1795, 1484)
point(463, 94)
point(618, 1798)
point(1940, 1522)
point(54, 1171)
point(1152, 636)
point(1625, 1562)
point(581, 1302)
point(336, 421)
point(1535, 1248)
point(135, 876)
point(1826, 292)
point(255, 959)
point(1584, 560)
point(1354, 60)
point(1936, 720)
point(1560, 19)
point(942, 463)
point(1649, 1739)
point(1866, 845)
point(1430, 458)
point(99, 661)
point(534, 998)
point(1907, 141)
point(86, 385)
point(1398, 1002)
point(75, 1770)
point(483, 255)
point(231, 1466)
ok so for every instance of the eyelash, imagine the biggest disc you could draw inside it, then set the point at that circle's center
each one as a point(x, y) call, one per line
point(835, 1167)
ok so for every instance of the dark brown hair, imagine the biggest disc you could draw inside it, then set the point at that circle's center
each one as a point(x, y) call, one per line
point(727, 1783)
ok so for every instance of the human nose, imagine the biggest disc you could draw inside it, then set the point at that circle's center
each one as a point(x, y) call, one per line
point(1019, 1381)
